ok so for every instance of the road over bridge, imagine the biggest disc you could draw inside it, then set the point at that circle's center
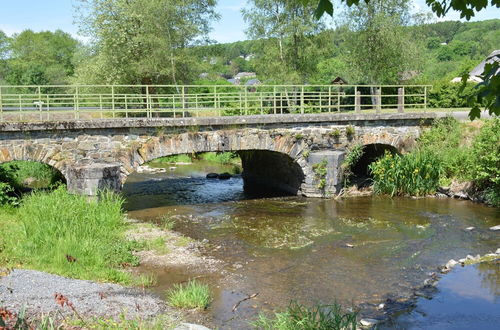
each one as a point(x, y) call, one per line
point(278, 151)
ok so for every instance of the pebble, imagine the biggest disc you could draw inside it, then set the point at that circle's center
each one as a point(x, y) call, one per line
point(470, 228)
point(450, 264)
point(495, 228)
point(368, 322)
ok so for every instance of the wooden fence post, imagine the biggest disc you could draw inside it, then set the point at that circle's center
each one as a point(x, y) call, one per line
point(378, 94)
point(401, 99)
point(357, 101)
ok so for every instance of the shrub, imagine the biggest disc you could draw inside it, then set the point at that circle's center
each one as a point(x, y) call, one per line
point(335, 133)
point(447, 95)
point(349, 131)
point(300, 317)
point(191, 295)
point(353, 155)
point(415, 174)
point(445, 140)
point(485, 156)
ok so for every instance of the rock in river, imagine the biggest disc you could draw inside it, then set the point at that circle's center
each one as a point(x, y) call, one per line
point(224, 176)
point(212, 176)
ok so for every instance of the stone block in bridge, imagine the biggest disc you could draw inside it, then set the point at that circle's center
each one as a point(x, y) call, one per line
point(333, 180)
point(89, 179)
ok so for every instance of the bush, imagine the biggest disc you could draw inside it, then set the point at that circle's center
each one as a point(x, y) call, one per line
point(447, 95)
point(69, 235)
point(191, 295)
point(300, 317)
point(445, 140)
point(485, 156)
point(415, 174)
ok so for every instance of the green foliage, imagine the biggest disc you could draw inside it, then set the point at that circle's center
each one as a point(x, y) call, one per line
point(320, 170)
point(183, 158)
point(350, 131)
point(7, 194)
point(167, 222)
point(485, 156)
point(40, 58)
point(335, 133)
point(69, 235)
point(445, 140)
point(466, 8)
point(487, 92)
point(445, 94)
point(143, 41)
point(221, 157)
point(414, 174)
point(31, 174)
point(353, 155)
point(190, 295)
point(300, 317)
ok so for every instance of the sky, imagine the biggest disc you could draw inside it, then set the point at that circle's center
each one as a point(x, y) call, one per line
point(41, 15)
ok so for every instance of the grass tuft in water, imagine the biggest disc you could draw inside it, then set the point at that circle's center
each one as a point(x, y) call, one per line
point(190, 295)
point(301, 317)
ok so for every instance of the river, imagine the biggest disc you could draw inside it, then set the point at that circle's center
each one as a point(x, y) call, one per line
point(357, 251)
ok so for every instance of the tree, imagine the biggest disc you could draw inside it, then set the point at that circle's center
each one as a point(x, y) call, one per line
point(143, 41)
point(466, 8)
point(487, 91)
point(286, 30)
point(381, 48)
point(40, 58)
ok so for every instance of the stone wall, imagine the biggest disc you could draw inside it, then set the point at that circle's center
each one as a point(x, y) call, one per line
point(95, 154)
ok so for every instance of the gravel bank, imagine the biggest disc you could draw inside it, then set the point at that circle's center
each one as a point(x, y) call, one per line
point(36, 291)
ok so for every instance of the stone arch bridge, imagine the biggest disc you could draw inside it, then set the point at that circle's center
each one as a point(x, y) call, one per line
point(277, 151)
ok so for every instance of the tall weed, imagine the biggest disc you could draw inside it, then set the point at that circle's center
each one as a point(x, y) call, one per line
point(415, 174)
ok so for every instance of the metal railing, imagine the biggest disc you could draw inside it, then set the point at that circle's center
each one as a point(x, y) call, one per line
point(45, 103)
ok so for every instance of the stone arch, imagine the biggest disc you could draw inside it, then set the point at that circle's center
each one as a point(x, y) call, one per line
point(38, 154)
point(371, 152)
point(269, 148)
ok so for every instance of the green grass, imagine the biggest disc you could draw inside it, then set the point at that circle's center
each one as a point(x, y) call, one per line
point(414, 174)
point(167, 223)
point(41, 175)
point(68, 235)
point(300, 317)
point(221, 157)
point(190, 295)
point(172, 159)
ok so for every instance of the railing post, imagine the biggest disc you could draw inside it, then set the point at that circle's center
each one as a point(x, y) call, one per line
point(275, 101)
point(338, 101)
point(261, 104)
point(357, 100)
point(329, 98)
point(113, 100)
point(77, 104)
point(126, 106)
point(100, 106)
point(196, 104)
point(425, 98)
point(148, 112)
point(20, 108)
point(378, 94)
point(302, 99)
point(246, 101)
point(1, 105)
point(40, 102)
point(401, 99)
point(183, 101)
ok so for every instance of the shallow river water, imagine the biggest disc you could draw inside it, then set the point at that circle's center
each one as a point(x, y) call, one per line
point(357, 251)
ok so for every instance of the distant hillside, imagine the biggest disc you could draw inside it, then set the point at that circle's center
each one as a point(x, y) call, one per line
point(448, 49)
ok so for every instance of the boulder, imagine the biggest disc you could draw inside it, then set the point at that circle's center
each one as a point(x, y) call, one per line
point(212, 176)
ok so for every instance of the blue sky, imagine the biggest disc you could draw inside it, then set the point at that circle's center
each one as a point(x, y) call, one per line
point(38, 15)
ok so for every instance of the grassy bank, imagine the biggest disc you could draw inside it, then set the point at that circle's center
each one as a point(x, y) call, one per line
point(68, 235)
point(215, 157)
point(448, 152)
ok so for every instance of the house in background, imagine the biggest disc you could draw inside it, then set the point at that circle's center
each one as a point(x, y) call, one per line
point(475, 74)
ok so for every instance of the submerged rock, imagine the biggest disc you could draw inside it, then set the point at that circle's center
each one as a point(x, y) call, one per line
point(224, 176)
point(212, 176)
